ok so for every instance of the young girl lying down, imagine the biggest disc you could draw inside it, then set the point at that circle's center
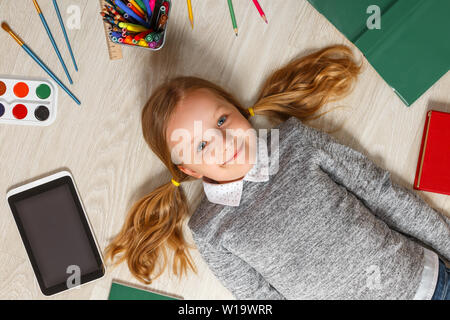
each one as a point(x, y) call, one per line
point(301, 217)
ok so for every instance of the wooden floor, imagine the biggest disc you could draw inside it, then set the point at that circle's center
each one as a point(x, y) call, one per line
point(101, 141)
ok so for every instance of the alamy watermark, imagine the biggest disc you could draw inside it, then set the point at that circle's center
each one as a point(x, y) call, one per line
point(213, 146)
point(73, 21)
point(374, 21)
point(74, 280)
point(373, 281)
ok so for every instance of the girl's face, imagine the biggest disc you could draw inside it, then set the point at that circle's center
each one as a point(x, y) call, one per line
point(209, 138)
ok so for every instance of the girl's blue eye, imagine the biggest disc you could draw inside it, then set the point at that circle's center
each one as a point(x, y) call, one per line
point(219, 123)
point(202, 145)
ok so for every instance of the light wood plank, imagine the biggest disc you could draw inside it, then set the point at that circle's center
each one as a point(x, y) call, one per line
point(101, 141)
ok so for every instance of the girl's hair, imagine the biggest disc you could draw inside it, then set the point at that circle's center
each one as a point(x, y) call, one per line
point(155, 222)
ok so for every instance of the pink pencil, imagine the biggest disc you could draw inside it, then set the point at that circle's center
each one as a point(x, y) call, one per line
point(152, 5)
point(260, 10)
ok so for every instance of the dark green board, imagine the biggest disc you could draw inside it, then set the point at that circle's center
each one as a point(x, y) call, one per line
point(122, 292)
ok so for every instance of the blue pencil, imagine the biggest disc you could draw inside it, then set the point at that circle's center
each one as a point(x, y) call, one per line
point(149, 10)
point(35, 58)
point(44, 22)
point(61, 22)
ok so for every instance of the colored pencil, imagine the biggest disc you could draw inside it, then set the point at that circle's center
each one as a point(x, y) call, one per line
point(142, 35)
point(132, 27)
point(136, 5)
point(260, 10)
point(149, 10)
point(152, 5)
point(191, 16)
point(161, 11)
point(233, 17)
point(44, 22)
point(131, 13)
point(162, 21)
point(41, 64)
point(136, 11)
point(142, 5)
point(61, 22)
point(113, 11)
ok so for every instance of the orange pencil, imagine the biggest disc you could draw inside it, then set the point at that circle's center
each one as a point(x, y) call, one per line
point(191, 16)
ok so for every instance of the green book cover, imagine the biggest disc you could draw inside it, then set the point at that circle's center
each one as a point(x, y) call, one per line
point(410, 52)
point(123, 292)
point(349, 16)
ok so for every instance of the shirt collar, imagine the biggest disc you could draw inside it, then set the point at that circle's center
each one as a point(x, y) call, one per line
point(230, 194)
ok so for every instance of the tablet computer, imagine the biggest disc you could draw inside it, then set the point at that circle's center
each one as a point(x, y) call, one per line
point(56, 233)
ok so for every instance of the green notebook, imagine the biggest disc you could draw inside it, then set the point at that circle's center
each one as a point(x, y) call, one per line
point(410, 52)
point(122, 292)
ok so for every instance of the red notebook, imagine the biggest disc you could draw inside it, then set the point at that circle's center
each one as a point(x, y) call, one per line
point(433, 167)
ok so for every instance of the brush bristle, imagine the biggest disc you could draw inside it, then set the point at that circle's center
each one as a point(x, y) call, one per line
point(6, 27)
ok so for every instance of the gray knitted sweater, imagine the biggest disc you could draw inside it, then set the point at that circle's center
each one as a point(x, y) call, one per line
point(329, 224)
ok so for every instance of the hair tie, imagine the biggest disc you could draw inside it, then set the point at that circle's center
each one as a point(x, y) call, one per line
point(252, 113)
point(177, 184)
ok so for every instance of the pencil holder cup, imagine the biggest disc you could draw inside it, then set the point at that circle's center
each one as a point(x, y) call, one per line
point(152, 39)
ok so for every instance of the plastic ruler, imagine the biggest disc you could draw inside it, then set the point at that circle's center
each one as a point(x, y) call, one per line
point(114, 49)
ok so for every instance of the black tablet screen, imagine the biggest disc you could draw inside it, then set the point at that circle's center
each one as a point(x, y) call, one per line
point(56, 234)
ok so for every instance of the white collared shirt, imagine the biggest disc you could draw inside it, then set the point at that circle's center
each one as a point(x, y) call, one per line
point(229, 194)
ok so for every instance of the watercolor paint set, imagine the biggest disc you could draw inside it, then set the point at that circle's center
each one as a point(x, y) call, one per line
point(27, 101)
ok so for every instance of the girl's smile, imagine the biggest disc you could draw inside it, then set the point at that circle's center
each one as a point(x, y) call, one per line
point(236, 154)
